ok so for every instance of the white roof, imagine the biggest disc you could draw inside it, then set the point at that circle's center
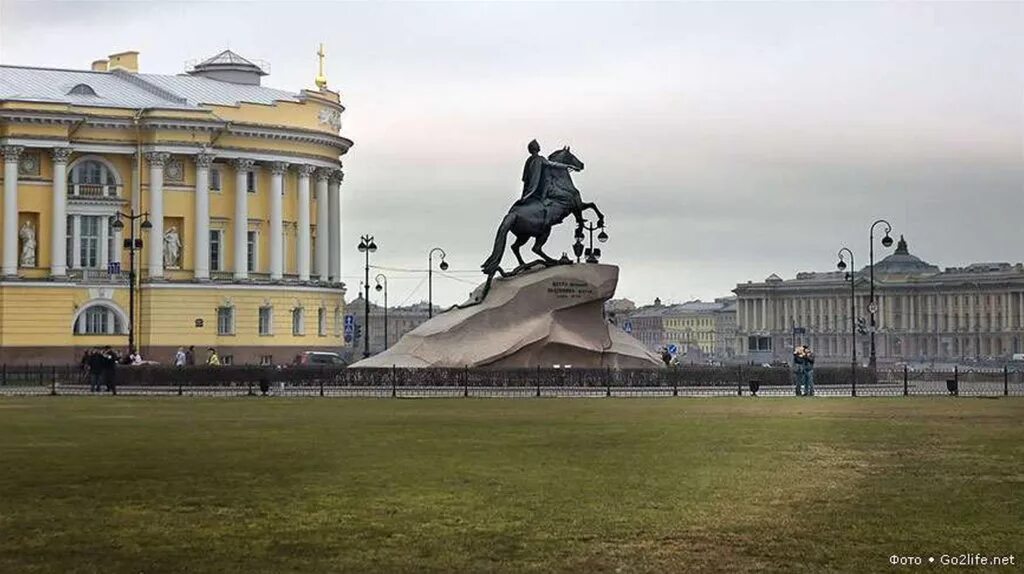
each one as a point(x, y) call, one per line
point(127, 90)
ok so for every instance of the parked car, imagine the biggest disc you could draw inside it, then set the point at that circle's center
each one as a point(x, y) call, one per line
point(319, 358)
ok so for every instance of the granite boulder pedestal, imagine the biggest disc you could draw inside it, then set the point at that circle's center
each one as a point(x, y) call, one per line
point(554, 316)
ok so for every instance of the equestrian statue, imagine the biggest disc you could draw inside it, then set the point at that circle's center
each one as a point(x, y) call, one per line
point(549, 196)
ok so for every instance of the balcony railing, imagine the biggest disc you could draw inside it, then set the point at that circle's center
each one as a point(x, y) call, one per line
point(93, 190)
point(91, 275)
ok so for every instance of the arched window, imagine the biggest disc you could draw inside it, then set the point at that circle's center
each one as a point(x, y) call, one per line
point(93, 178)
point(82, 90)
point(99, 319)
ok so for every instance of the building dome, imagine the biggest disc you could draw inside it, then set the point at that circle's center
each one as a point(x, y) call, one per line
point(903, 263)
point(228, 66)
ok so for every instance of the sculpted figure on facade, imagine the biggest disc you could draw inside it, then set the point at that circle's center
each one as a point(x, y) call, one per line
point(27, 235)
point(172, 248)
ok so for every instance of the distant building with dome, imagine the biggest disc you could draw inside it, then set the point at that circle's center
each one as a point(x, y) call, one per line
point(924, 313)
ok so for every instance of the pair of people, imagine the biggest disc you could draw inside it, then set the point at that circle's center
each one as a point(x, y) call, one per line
point(101, 364)
point(803, 370)
point(185, 357)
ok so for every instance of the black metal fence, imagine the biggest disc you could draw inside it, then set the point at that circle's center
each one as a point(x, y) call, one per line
point(337, 381)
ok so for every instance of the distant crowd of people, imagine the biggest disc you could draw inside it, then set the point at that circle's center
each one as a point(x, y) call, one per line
point(187, 357)
point(100, 363)
point(803, 370)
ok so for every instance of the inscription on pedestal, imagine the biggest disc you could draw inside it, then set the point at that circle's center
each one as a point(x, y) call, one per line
point(571, 289)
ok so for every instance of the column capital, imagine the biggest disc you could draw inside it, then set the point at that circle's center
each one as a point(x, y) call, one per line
point(61, 154)
point(278, 167)
point(204, 160)
point(305, 170)
point(12, 152)
point(242, 164)
point(337, 176)
point(157, 158)
point(323, 174)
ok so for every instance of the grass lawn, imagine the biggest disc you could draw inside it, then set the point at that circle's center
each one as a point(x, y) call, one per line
point(90, 484)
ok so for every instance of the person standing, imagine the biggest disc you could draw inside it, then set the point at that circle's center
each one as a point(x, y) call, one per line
point(808, 371)
point(190, 356)
point(180, 358)
point(95, 362)
point(798, 369)
point(109, 364)
point(211, 357)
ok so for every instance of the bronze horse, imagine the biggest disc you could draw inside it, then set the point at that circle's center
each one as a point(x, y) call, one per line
point(534, 216)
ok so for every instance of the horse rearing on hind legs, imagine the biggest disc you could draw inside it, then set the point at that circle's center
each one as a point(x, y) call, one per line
point(535, 215)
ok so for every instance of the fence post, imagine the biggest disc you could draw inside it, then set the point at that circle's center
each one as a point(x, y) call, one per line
point(179, 385)
point(538, 380)
point(675, 386)
point(906, 389)
point(394, 381)
point(53, 382)
point(4, 372)
point(607, 385)
point(1006, 381)
point(465, 381)
point(853, 383)
point(739, 380)
point(321, 379)
point(956, 377)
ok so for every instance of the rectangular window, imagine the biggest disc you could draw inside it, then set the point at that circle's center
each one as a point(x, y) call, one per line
point(252, 240)
point(225, 321)
point(227, 360)
point(214, 179)
point(298, 328)
point(111, 242)
point(321, 322)
point(266, 320)
point(215, 249)
point(89, 241)
point(69, 245)
point(250, 181)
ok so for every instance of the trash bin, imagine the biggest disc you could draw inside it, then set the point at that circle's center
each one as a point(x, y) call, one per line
point(952, 387)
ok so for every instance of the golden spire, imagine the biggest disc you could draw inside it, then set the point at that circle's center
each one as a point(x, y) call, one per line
point(321, 79)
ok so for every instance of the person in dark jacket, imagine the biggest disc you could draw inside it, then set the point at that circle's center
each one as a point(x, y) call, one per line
point(190, 356)
point(109, 364)
point(94, 361)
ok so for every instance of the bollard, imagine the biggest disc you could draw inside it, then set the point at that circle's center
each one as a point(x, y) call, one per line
point(906, 390)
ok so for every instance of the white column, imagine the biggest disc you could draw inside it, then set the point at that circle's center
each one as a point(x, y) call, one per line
point(156, 213)
point(59, 224)
point(10, 251)
point(241, 223)
point(277, 171)
point(302, 244)
point(201, 228)
point(334, 225)
point(76, 242)
point(322, 219)
point(104, 242)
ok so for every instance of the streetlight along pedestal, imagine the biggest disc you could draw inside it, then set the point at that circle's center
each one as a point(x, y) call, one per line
point(592, 253)
point(853, 315)
point(382, 285)
point(430, 278)
point(366, 246)
point(132, 244)
point(872, 304)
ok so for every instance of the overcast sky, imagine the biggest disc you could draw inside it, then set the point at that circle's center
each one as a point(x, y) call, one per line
point(723, 141)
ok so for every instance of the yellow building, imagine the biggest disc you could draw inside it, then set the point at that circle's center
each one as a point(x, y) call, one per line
point(237, 191)
point(693, 326)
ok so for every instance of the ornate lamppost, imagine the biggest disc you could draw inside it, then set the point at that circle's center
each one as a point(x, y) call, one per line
point(593, 254)
point(851, 276)
point(872, 304)
point(430, 278)
point(382, 285)
point(366, 246)
point(132, 244)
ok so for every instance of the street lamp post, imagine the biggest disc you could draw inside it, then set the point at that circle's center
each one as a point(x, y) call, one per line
point(853, 314)
point(132, 244)
point(593, 254)
point(873, 305)
point(366, 246)
point(430, 278)
point(382, 285)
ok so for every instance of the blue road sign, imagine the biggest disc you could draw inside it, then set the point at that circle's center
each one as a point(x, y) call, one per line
point(350, 320)
point(673, 349)
point(628, 327)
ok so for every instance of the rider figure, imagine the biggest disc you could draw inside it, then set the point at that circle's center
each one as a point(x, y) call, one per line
point(533, 169)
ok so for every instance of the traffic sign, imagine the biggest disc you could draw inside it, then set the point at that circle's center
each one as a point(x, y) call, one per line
point(350, 320)
point(628, 327)
point(673, 349)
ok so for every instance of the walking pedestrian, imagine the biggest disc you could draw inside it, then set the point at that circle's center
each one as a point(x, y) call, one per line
point(180, 358)
point(190, 356)
point(211, 357)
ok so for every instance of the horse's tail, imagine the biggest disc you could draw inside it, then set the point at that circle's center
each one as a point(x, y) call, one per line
point(490, 267)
